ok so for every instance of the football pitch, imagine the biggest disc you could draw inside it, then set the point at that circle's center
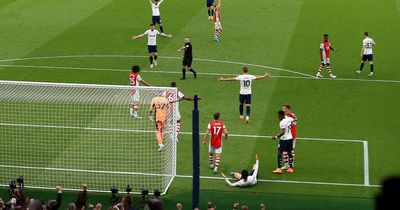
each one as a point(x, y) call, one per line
point(347, 128)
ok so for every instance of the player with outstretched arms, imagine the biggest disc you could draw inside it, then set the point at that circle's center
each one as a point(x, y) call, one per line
point(152, 34)
point(156, 17)
point(187, 58)
point(245, 90)
point(216, 128)
point(161, 106)
point(288, 113)
point(324, 52)
point(134, 80)
point(217, 21)
point(244, 179)
point(366, 54)
point(285, 146)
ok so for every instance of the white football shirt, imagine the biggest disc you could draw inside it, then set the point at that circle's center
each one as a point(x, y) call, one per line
point(251, 180)
point(286, 124)
point(245, 83)
point(152, 36)
point(368, 43)
point(170, 96)
point(156, 8)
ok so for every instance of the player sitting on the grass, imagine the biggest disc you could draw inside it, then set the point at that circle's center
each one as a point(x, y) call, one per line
point(288, 112)
point(244, 179)
point(366, 54)
point(210, 7)
point(245, 90)
point(135, 79)
point(156, 18)
point(152, 34)
point(285, 146)
point(324, 52)
point(216, 128)
point(161, 105)
point(217, 21)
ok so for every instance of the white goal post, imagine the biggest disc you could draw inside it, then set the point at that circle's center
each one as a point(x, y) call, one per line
point(70, 134)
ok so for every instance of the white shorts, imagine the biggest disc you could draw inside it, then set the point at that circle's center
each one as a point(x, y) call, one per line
point(218, 25)
point(135, 98)
point(214, 150)
point(326, 60)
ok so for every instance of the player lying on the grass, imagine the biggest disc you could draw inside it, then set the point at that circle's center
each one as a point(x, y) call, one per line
point(152, 34)
point(285, 146)
point(288, 112)
point(161, 105)
point(244, 179)
point(180, 97)
point(156, 18)
point(217, 21)
point(216, 128)
point(245, 90)
point(187, 58)
point(324, 52)
point(366, 54)
point(210, 7)
point(135, 79)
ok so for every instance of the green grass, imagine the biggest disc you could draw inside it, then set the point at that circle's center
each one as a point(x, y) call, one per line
point(283, 34)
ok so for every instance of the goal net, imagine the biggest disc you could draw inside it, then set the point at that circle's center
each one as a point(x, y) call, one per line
point(70, 134)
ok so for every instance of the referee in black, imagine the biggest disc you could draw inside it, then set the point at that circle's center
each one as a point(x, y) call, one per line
point(187, 59)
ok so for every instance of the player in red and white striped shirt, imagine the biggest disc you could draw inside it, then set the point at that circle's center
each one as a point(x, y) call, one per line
point(216, 128)
point(135, 79)
point(324, 52)
point(217, 21)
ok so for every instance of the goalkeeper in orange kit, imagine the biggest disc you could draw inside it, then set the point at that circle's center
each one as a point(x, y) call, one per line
point(161, 105)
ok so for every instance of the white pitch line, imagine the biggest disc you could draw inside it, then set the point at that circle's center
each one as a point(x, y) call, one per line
point(185, 133)
point(366, 163)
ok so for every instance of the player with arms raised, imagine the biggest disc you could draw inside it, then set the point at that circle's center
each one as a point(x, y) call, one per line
point(161, 106)
point(217, 21)
point(152, 34)
point(285, 143)
point(324, 52)
point(216, 128)
point(156, 18)
point(135, 79)
point(245, 90)
point(366, 54)
point(288, 113)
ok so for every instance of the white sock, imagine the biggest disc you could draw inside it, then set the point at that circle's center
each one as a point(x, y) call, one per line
point(131, 111)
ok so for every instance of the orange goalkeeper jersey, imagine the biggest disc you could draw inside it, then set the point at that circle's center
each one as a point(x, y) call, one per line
point(161, 105)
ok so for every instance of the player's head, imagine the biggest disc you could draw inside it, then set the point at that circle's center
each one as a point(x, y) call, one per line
point(156, 2)
point(245, 174)
point(173, 84)
point(135, 69)
point(326, 37)
point(217, 115)
point(245, 70)
point(152, 26)
point(366, 34)
point(281, 114)
point(187, 39)
point(286, 108)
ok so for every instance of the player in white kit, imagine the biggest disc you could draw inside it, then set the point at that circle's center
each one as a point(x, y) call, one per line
point(285, 146)
point(244, 179)
point(156, 17)
point(245, 90)
point(152, 34)
point(366, 54)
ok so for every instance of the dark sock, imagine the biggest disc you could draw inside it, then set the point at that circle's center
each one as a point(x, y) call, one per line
point(183, 73)
point(247, 111)
point(290, 160)
point(361, 66)
point(212, 12)
point(161, 29)
point(209, 12)
point(151, 59)
point(155, 57)
point(372, 67)
point(241, 109)
point(279, 160)
point(194, 73)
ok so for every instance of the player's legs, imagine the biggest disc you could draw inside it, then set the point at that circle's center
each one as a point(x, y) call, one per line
point(183, 70)
point(178, 129)
point(371, 64)
point(217, 31)
point(321, 66)
point(217, 160)
point(189, 68)
point(363, 59)
point(279, 158)
point(328, 67)
point(155, 56)
point(241, 102)
point(134, 105)
point(159, 22)
point(151, 59)
point(247, 102)
point(160, 134)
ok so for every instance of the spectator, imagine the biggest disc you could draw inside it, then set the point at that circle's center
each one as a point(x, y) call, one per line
point(235, 206)
point(71, 206)
point(127, 202)
point(210, 206)
point(55, 204)
point(80, 202)
point(98, 206)
point(2, 204)
point(388, 197)
point(35, 205)
point(179, 206)
point(245, 208)
point(154, 204)
point(262, 206)
point(21, 199)
point(90, 206)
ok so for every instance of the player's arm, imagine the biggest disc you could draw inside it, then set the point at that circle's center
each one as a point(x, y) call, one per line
point(263, 76)
point(226, 133)
point(180, 49)
point(362, 50)
point(229, 183)
point(165, 35)
point(144, 82)
point(160, 2)
point(218, 4)
point(227, 79)
point(206, 136)
point(138, 36)
point(330, 47)
point(280, 134)
point(151, 2)
point(151, 109)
